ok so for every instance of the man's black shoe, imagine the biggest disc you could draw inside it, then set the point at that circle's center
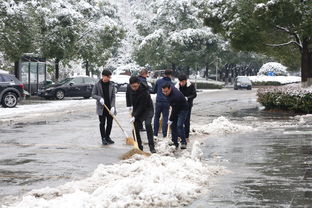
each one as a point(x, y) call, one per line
point(109, 140)
point(153, 150)
point(104, 142)
point(183, 146)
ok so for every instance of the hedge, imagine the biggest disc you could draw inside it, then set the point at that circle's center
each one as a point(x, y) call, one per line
point(286, 98)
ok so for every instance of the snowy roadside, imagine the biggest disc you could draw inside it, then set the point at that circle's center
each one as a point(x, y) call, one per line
point(49, 110)
point(53, 109)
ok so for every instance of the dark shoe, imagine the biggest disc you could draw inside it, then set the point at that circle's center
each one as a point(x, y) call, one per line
point(183, 146)
point(141, 148)
point(175, 144)
point(104, 142)
point(109, 140)
point(153, 150)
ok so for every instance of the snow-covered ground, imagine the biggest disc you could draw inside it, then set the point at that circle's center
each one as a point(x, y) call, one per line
point(46, 109)
point(280, 79)
point(162, 180)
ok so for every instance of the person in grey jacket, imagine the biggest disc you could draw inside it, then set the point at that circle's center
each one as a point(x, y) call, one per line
point(104, 93)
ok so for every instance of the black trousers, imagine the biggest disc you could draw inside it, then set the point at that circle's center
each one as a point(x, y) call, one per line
point(149, 131)
point(108, 119)
point(187, 123)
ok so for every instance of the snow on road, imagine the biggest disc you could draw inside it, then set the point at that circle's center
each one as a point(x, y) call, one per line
point(220, 126)
point(162, 180)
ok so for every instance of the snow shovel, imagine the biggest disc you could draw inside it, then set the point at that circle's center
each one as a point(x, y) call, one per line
point(136, 149)
point(129, 140)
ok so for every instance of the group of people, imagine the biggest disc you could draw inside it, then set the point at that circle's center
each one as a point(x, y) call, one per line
point(173, 102)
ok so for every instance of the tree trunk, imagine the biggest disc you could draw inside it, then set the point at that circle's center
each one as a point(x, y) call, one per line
point(87, 68)
point(57, 69)
point(173, 66)
point(16, 70)
point(206, 72)
point(188, 71)
point(306, 64)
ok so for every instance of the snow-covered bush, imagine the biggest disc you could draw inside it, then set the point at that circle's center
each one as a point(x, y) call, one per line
point(289, 98)
point(275, 68)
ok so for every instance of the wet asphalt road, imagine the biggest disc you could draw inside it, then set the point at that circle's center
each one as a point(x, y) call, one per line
point(270, 167)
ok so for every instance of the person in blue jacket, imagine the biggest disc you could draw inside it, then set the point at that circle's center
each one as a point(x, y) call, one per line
point(179, 111)
point(162, 104)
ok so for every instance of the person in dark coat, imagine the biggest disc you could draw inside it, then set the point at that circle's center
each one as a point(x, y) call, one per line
point(104, 93)
point(189, 91)
point(162, 104)
point(143, 111)
point(179, 110)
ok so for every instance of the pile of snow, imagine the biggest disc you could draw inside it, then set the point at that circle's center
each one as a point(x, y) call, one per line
point(280, 79)
point(157, 181)
point(275, 68)
point(3, 72)
point(220, 126)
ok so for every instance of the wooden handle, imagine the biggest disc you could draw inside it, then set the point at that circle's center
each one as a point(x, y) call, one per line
point(114, 117)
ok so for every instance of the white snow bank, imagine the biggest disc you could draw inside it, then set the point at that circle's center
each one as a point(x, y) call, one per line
point(280, 79)
point(49, 106)
point(221, 126)
point(162, 180)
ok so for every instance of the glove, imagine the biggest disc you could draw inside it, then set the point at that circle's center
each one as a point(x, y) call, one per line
point(130, 108)
point(102, 101)
point(132, 120)
point(169, 122)
point(112, 110)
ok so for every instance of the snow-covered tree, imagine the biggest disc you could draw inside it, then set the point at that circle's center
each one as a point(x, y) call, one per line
point(279, 28)
point(273, 67)
point(174, 36)
point(61, 30)
point(18, 29)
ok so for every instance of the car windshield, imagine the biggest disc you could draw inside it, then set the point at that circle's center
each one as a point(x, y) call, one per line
point(65, 80)
point(243, 79)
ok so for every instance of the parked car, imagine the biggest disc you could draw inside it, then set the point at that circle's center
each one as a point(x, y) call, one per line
point(241, 82)
point(11, 90)
point(69, 87)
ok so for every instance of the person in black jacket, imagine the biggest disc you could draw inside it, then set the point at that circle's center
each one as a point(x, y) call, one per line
point(162, 105)
point(143, 110)
point(189, 91)
point(179, 110)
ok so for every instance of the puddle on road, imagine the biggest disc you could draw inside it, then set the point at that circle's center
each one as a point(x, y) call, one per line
point(270, 168)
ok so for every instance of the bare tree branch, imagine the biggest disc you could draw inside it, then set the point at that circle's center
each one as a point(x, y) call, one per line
point(283, 29)
point(298, 41)
point(283, 44)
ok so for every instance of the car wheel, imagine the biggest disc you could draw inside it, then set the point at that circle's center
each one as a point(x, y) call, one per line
point(87, 97)
point(249, 88)
point(9, 100)
point(235, 88)
point(59, 94)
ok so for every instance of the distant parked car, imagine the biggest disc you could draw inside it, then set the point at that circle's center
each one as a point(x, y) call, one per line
point(69, 87)
point(242, 82)
point(11, 90)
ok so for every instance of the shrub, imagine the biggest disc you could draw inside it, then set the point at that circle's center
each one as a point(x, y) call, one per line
point(266, 83)
point(206, 85)
point(286, 98)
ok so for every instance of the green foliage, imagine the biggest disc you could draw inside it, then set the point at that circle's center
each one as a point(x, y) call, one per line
point(269, 83)
point(206, 85)
point(264, 26)
point(279, 100)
